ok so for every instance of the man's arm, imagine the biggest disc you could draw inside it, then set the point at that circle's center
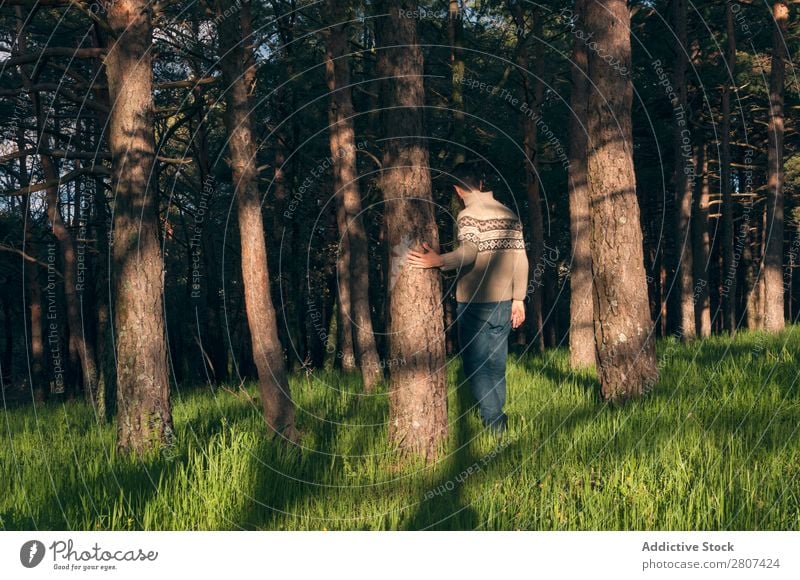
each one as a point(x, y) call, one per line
point(462, 256)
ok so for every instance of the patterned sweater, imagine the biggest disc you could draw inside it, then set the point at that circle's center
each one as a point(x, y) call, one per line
point(491, 257)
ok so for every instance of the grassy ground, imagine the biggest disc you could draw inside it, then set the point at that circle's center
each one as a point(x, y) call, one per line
point(715, 446)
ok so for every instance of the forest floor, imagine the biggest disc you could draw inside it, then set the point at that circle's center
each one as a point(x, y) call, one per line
point(715, 446)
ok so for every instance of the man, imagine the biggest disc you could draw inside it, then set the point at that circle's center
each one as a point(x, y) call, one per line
point(492, 281)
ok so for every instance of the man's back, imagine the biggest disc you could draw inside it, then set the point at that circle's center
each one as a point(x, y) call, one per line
point(493, 233)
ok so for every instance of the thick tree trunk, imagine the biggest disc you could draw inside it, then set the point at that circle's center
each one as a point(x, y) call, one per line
point(581, 304)
point(683, 186)
point(701, 245)
point(728, 282)
point(276, 399)
point(348, 196)
point(773, 258)
point(623, 329)
point(143, 401)
point(418, 389)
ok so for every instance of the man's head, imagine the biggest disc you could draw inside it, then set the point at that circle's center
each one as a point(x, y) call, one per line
point(467, 177)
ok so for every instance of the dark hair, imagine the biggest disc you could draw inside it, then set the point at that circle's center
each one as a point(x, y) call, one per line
point(467, 176)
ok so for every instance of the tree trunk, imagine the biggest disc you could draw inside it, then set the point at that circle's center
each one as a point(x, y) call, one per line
point(276, 399)
point(683, 186)
point(701, 245)
point(345, 350)
point(581, 306)
point(144, 408)
point(32, 289)
point(623, 329)
point(73, 283)
point(773, 258)
point(728, 282)
point(418, 389)
point(348, 196)
point(533, 90)
point(455, 33)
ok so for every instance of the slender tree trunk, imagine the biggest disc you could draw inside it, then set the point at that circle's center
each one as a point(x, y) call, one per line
point(729, 269)
point(348, 196)
point(143, 401)
point(8, 328)
point(773, 258)
point(623, 329)
point(701, 245)
point(418, 389)
point(344, 325)
point(683, 168)
point(78, 342)
point(533, 91)
point(581, 306)
point(276, 399)
point(455, 33)
point(32, 290)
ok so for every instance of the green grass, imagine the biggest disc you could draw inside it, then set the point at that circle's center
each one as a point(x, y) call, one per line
point(715, 446)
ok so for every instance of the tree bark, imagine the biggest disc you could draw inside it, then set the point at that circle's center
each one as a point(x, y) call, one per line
point(143, 401)
point(418, 389)
point(773, 258)
point(581, 305)
point(623, 328)
point(276, 398)
point(728, 282)
point(683, 186)
point(701, 245)
point(345, 183)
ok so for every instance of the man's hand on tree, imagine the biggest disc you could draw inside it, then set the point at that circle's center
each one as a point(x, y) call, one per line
point(517, 313)
point(426, 259)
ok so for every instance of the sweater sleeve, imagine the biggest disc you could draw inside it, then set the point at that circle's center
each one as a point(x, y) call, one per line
point(467, 251)
point(463, 255)
point(519, 282)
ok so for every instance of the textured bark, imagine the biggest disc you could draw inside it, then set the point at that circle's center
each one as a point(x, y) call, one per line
point(581, 304)
point(418, 390)
point(701, 245)
point(728, 281)
point(753, 258)
point(143, 402)
point(348, 195)
point(276, 399)
point(623, 329)
point(683, 187)
point(773, 258)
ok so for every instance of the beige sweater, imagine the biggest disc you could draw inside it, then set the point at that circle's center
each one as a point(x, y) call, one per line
point(491, 256)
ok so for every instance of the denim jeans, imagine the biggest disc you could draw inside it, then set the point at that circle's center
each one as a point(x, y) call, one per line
point(483, 330)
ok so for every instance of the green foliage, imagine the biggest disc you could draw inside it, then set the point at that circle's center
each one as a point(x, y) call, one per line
point(715, 447)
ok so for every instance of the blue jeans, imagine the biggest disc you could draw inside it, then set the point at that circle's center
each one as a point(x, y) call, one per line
point(483, 329)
